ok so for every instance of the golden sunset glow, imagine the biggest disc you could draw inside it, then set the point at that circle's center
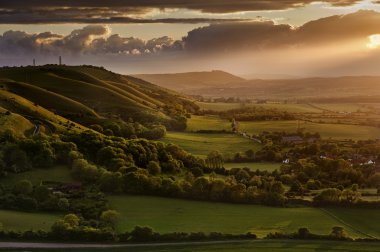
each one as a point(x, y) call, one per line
point(374, 41)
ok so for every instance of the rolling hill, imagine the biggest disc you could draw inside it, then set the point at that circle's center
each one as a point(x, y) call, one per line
point(84, 95)
point(186, 82)
point(346, 88)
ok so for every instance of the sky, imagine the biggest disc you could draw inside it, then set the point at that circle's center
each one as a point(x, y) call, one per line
point(244, 37)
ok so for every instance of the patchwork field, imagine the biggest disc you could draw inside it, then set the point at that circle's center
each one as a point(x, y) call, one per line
point(170, 215)
point(202, 144)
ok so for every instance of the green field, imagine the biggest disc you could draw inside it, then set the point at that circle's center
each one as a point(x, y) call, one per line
point(249, 246)
point(22, 221)
point(57, 174)
point(203, 144)
point(336, 131)
point(291, 107)
point(170, 215)
point(254, 166)
point(196, 123)
point(367, 219)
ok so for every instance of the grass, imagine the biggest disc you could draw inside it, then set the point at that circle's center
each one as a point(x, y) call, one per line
point(170, 215)
point(22, 221)
point(367, 219)
point(336, 131)
point(57, 174)
point(253, 246)
point(254, 166)
point(196, 123)
point(202, 144)
point(291, 107)
point(17, 123)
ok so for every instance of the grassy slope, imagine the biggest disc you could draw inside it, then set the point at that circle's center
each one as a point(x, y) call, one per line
point(22, 106)
point(85, 89)
point(202, 144)
point(169, 215)
point(15, 122)
point(50, 99)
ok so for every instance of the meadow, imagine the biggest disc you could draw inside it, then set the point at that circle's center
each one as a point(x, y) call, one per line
point(57, 174)
point(335, 131)
point(22, 221)
point(175, 215)
point(202, 144)
point(290, 107)
point(254, 166)
point(196, 123)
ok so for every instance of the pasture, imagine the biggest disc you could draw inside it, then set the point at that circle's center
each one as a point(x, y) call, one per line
point(290, 107)
point(57, 174)
point(174, 215)
point(335, 131)
point(196, 123)
point(254, 166)
point(22, 221)
point(202, 144)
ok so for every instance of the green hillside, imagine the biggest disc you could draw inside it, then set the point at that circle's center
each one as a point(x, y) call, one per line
point(88, 95)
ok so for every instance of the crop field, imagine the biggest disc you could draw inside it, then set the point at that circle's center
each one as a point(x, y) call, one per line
point(254, 166)
point(57, 174)
point(170, 215)
point(202, 144)
point(250, 246)
point(335, 131)
point(22, 221)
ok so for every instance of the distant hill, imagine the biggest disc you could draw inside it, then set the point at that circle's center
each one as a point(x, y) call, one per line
point(185, 82)
point(84, 95)
point(359, 88)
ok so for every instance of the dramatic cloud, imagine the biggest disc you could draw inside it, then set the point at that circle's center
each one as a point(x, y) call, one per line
point(325, 43)
point(231, 37)
point(125, 11)
point(91, 40)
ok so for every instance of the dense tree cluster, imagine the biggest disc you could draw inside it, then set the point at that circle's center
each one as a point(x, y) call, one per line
point(251, 113)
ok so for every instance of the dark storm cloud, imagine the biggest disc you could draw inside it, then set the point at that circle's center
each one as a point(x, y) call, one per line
point(120, 11)
point(268, 35)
